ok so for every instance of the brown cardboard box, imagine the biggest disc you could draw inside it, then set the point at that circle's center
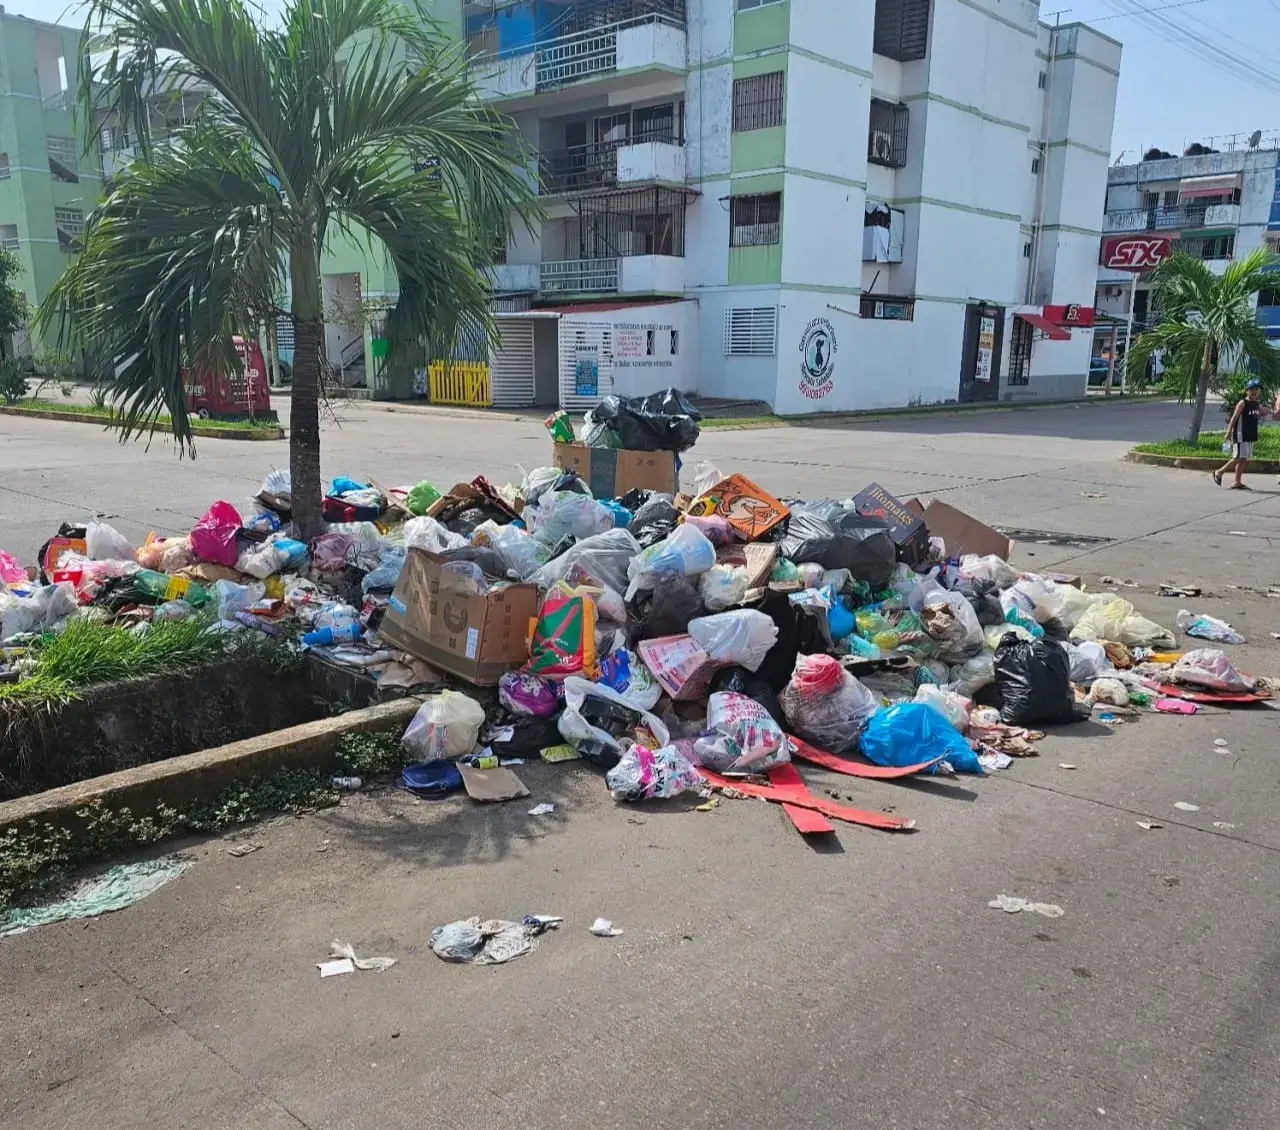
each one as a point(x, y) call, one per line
point(961, 533)
point(611, 473)
point(476, 637)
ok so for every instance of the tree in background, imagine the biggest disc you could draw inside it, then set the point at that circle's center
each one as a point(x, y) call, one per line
point(1205, 318)
point(351, 116)
point(13, 303)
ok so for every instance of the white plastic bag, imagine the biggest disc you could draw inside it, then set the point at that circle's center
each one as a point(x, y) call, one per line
point(590, 741)
point(699, 478)
point(426, 533)
point(643, 774)
point(1112, 692)
point(951, 621)
point(1088, 661)
point(446, 725)
point(233, 598)
point(952, 706)
point(742, 636)
point(522, 554)
point(1209, 667)
point(262, 561)
point(742, 736)
point(723, 586)
point(43, 609)
point(972, 675)
point(603, 559)
point(686, 552)
point(106, 543)
point(566, 514)
point(990, 568)
point(1117, 621)
point(1043, 599)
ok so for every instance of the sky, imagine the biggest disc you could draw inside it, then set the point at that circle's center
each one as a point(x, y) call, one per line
point(1171, 93)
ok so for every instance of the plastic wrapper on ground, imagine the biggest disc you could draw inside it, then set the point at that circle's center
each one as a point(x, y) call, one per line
point(742, 736)
point(650, 774)
point(446, 725)
point(1210, 667)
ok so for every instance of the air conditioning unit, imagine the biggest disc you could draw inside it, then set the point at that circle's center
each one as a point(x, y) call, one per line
point(881, 145)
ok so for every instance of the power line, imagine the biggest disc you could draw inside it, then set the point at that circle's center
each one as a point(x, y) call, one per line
point(1142, 11)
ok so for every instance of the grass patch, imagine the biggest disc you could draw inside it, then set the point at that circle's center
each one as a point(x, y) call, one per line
point(371, 754)
point(108, 416)
point(1210, 446)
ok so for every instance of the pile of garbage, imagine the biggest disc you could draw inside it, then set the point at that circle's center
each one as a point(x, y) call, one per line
point(701, 637)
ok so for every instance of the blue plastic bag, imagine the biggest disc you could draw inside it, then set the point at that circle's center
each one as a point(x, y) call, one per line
point(912, 732)
point(839, 618)
point(621, 515)
point(343, 485)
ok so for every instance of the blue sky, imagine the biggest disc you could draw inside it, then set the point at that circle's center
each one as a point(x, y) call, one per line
point(1170, 95)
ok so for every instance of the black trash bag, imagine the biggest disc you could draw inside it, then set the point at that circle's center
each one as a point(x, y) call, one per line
point(571, 482)
point(839, 538)
point(1055, 629)
point(614, 719)
point(490, 561)
point(654, 521)
point(525, 737)
point(669, 402)
point(802, 630)
point(465, 523)
point(741, 681)
point(639, 429)
point(666, 610)
point(985, 599)
point(636, 497)
point(1033, 678)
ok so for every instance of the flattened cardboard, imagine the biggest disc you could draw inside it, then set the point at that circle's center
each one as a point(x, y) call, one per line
point(611, 473)
point(961, 533)
point(756, 557)
point(476, 637)
point(752, 512)
point(488, 785)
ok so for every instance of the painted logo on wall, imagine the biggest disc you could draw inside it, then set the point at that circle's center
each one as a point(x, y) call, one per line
point(817, 359)
point(1136, 253)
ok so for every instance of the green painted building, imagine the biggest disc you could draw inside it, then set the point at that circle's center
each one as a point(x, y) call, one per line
point(47, 183)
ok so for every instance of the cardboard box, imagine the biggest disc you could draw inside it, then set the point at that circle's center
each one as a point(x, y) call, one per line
point(751, 511)
point(611, 473)
point(961, 533)
point(906, 527)
point(476, 637)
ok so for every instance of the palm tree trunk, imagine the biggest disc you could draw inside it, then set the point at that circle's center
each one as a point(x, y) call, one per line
point(304, 412)
point(1202, 394)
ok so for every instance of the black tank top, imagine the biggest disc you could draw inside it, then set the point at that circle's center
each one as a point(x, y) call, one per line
point(1247, 426)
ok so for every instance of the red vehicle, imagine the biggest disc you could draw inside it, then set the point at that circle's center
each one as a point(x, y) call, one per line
point(238, 395)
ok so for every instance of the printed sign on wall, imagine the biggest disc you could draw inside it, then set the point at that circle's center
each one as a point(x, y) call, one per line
point(644, 346)
point(986, 348)
point(817, 359)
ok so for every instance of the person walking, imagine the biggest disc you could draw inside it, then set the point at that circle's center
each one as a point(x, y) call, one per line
point(1242, 433)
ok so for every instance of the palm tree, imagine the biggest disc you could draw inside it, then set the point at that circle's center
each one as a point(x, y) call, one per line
point(352, 116)
point(1204, 318)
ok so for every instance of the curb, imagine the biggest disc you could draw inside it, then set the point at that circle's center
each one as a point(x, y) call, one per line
point(196, 429)
point(203, 774)
point(1196, 463)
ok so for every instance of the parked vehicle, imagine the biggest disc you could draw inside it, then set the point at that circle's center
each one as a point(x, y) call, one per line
point(240, 395)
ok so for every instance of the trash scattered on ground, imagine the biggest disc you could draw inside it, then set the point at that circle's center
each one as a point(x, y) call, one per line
point(1180, 590)
point(347, 784)
point(1125, 584)
point(542, 810)
point(342, 951)
point(1220, 741)
point(1149, 825)
point(1093, 494)
point(603, 928)
point(1065, 765)
point(492, 942)
point(118, 888)
point(1186, 806)
point(245, 849)
point(335, 968)
point(1207, 628)
point(492, 785)
point(1010, 904)
point(1223, 825)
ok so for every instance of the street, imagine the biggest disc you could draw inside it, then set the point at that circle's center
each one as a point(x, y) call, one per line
point(759, 981)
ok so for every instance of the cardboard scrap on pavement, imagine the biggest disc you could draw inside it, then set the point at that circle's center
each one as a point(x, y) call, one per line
point(961, 533)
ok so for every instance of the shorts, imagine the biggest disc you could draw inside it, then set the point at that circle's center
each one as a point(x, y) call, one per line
point(1242, 451)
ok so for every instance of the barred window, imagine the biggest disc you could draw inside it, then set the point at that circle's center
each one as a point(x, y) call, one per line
point(69, 220)
point(1020, 345)
point(901, 29)
point(887, 133)
point(757, 102)
point(751, 331)
point(755, 221)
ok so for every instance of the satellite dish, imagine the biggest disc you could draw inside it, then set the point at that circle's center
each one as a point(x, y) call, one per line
point(1254, 138)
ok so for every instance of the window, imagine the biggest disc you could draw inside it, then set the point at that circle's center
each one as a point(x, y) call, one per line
point(1026, 250)
point(902, 29)
point(747, 5)
point(887, 133)
point(1171, 198)
point(69, 220)
point(1210, 247)
point(1035, 166)
point(675, 342)
point(1151, 199)
point(887, 307)
point(4, 166)
point(751, 331)
point(1269, 296)
point(654, 123)
point(755, 221)
point(757, 102)
point(1043, 80)
point(1020, 345)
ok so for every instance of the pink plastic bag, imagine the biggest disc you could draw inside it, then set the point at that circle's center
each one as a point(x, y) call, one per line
point(214, 538)
point(10, 569)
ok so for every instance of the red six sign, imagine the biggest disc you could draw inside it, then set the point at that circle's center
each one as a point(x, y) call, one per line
point(1136, 252)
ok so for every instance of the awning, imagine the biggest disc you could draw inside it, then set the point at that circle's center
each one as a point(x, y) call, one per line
point(1056, 333)
point(1192, 188)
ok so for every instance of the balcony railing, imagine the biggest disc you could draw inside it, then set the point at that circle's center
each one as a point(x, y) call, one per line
point(587, 43)
point(1176, 217)
point(63, 100)
point(580, 276)
point(10, 242)
point(582, 167)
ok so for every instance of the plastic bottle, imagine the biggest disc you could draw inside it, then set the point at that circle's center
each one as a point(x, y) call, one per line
point(163, 587)
point(327, 637)
point(347, 784)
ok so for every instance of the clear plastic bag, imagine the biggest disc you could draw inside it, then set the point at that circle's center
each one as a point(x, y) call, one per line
point(739, 638)
point(951, 620)
point(522, 554)
point(1112, 692)
point(566, 514)
point(972, 675)
point(43, 609)
point(593, 742)
point(990, 568)
point(645, 774)
point(686, 553)
point(1088, 661)
point(1042, 599)
point(953, 707)
point(446, 725)
point(742, 736)
point(602, 559)
point(426, 533)
point(233, 598)
point(385, 576)
point(1202, 626)
point(826, 705)
point(106, 543)
point(723, 586)
point(698, 478)
point(1209, 667)
point(1117, 621)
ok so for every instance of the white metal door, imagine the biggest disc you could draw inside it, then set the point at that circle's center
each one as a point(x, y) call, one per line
point(586, 363)
point(511, 364)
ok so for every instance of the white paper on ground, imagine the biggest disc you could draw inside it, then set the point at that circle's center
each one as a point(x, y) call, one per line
point(336, 968)
point(603, 928)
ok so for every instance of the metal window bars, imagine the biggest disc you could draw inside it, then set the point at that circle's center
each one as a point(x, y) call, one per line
point(757, 102)
point(887, 133)
point(579, 276)
point(901, 29)
point(595, 165)
point(755, 221)
point(648, 221)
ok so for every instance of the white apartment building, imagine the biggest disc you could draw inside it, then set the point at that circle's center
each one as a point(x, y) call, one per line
point(1216, 206)
point(826, 205)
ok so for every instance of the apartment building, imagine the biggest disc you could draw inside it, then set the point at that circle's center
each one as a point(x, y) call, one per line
point(1217, 206)
point(821, 204)
point(47, 185)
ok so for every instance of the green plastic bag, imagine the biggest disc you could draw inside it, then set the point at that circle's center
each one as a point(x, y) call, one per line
point(421, 498)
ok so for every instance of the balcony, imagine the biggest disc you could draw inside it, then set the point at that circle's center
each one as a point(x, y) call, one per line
point(547, 48)
point(1178, 217)
point(512, 278)
point(10, 242)
point(627, 274)
point(624, 164)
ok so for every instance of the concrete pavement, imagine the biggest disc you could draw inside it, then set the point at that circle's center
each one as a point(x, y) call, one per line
point(760, 981)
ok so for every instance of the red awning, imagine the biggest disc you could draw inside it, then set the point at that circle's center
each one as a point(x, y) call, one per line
point(1056, 333)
